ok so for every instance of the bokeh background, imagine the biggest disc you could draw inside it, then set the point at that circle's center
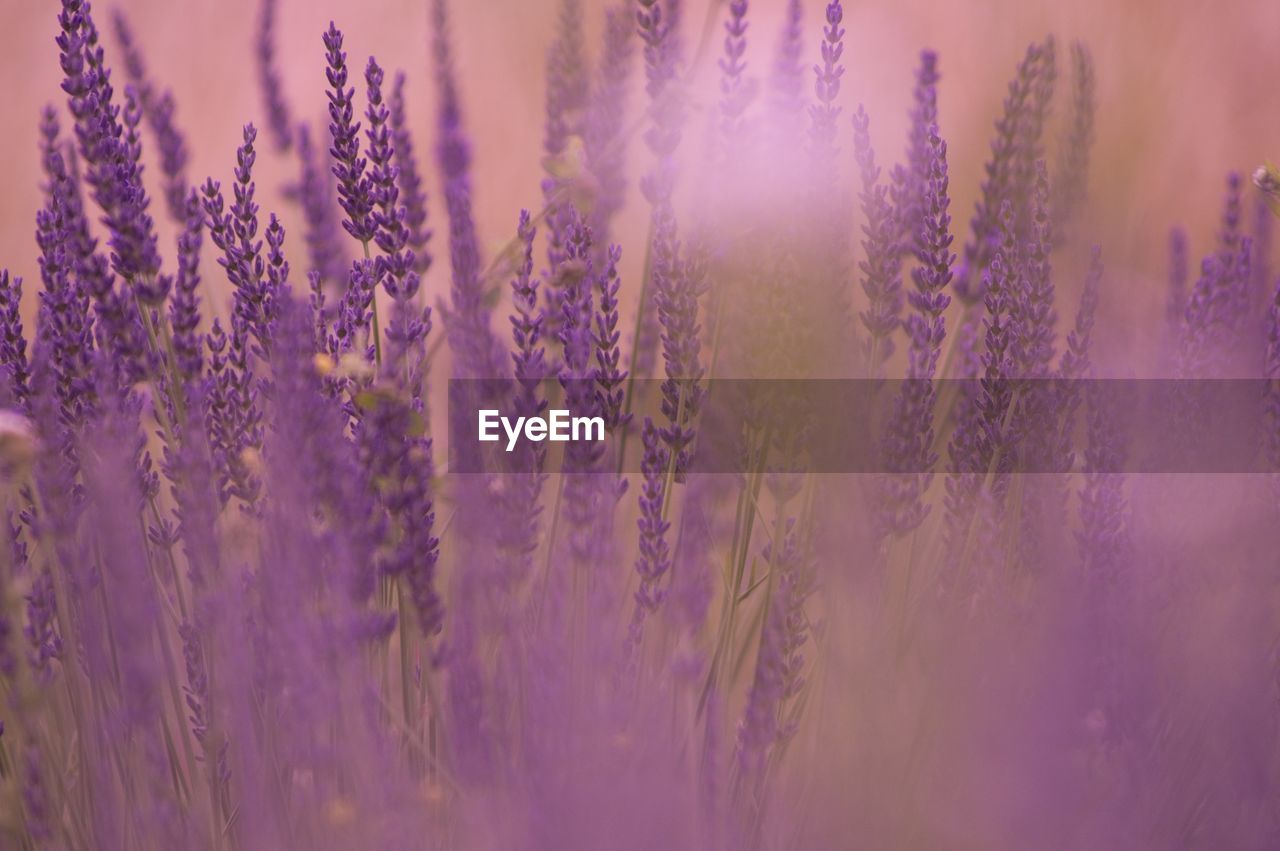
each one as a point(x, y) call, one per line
point(1187, 90)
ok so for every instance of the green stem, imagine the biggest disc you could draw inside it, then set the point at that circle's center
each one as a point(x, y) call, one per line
point(633, 358)
point(373, 302)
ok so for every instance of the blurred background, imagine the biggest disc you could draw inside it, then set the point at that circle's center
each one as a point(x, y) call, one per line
point(1187, 90)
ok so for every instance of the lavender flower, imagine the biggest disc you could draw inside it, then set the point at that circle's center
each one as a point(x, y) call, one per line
point(679, 281)
point(233, 416)
point(1075, 358)
point(733, 90)
point(1031, 312)
point(1016, 130)
point(272, 594)
point(609, 376)
point(1072, 173)
point(566, 99)
point(355, 313)
point(655, 557)
point(355, 192)
point(1229, 235)
point(279, 121)
point(529, 356)
point(397, 266)
point(184, 309)
point(910, 439)
point(13, 344)
point(64, 320)
point(1103, 540)
point(110, 150)
point(1075, 363)
point(531, 369)
point(666, 115)
point(478, 353)
point(1002, 334)
point(827, 83)
point(314, 193)
point(408, 180)
point(399, 458)
point(924, 114)
point(566, 81)
point(779, 662)
point(933, 276)
point(603, 127)
point(982, 444)
point(881, 269)
point(235, 233)
point(159, 114)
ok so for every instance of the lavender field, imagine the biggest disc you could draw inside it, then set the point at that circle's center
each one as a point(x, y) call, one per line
point(936, 503)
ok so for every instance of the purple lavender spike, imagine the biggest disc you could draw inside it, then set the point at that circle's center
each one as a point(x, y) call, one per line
point(355, 314)
point(1075, 364)
point(654, 557)
point(609, 377)
point(1002, 334)
point(184, 308)
point(408, 179)
point(826, 86)
point(233, 414)
point(779, 662)
point(566, 99)
point(1103, 540)
point(13, 343)
point(355, 192)
point(399, 460)
point(679, 281)
point(666, 111)
point(908, 447)
point(120, 650)
point(1016, 134)
point(981, 444)
point(603, 136)
point(110, 150)
point(527, 331)
point(397, 267)
point(235, 232)
point(531, 370)
point(315, 189)
point(159, 114)
point(566, 80)
point(787, 79)
point(924, 115)
point(1229, 235)
point(279, 120)
point(1071, 177)
point(881, 269)
point(65, 321)
point(733, 89)
point(1032, 311)
point(477, 351)
point(1075, 358)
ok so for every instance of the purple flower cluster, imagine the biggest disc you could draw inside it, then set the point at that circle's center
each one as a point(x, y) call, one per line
point(259, 589)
